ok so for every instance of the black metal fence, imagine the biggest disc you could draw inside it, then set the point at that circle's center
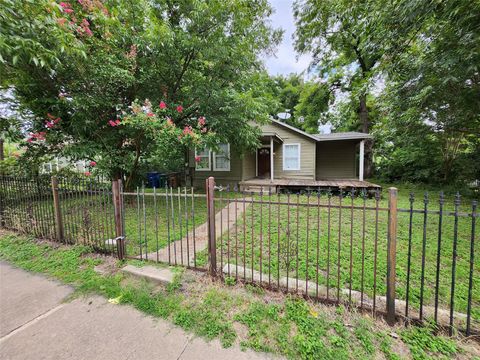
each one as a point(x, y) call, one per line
point(409, 259)
point(26, 205)
point(166, 225)
point(69, 210)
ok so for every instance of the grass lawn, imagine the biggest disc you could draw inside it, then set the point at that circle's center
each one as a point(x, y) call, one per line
point(291, 249)
point(243, 315)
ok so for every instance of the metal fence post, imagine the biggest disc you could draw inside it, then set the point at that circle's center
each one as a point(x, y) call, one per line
point(117, 205)
point(57, 209)
point(391, 253)
point(212, 246)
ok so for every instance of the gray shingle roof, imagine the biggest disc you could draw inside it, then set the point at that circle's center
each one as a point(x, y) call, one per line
point(351, 135)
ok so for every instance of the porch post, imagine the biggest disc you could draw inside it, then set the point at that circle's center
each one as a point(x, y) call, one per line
point(271, 158)
point(362, 155)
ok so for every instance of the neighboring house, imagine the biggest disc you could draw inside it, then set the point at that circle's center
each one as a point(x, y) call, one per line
point(287, 157)
point(60, 163)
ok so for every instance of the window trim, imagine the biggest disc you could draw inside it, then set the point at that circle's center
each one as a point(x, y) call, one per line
point(299, 156)
point(209, 161)
point(228, 156)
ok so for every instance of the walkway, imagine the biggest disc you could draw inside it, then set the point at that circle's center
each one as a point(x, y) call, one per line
point(37, 323)
point(181, 252)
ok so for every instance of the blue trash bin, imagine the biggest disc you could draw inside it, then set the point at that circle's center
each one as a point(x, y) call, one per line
point(153, 179)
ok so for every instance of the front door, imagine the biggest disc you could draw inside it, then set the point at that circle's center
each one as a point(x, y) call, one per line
point(263, 162)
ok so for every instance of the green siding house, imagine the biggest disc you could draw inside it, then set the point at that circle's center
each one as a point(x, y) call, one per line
point(287, 157)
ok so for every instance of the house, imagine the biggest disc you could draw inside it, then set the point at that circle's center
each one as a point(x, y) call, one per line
point(287, 158)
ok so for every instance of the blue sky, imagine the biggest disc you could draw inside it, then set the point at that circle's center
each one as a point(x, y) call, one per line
point(285, 60)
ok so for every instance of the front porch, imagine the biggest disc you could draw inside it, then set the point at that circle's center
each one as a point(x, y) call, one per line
point(276, 185)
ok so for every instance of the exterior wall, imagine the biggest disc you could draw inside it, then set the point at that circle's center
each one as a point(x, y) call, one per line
point(336, 160)
point(307, 153)
point(249, 163)
point(221, 177)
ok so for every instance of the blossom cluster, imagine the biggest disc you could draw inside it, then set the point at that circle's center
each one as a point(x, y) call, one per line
point(91, 164)
point(114, 123)
point(52, 122)
point(81, 27)
point(37, 136)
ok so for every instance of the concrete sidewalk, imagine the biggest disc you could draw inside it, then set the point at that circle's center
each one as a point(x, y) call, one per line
point(36, 323)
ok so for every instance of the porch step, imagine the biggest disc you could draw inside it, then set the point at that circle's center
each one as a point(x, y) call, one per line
point(252, 188)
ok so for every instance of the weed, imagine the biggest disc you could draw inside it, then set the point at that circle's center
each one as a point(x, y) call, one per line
point(230, 281)
point(423, 343)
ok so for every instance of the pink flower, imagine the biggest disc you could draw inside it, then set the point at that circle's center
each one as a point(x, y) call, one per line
point(68, 11)
point(150, 114)
point(162, 105)
point(117, 122)
point(201, 121)
point(112, 123)
point(93, 163)
point(187, 130)
point(88, 173)
point(204, 130)
point(179, 108)
point(198, 159)
point(29, 140)
point(49, 124)
point(64, 5)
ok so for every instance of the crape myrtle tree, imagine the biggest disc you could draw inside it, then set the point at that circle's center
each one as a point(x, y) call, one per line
point(117, 81)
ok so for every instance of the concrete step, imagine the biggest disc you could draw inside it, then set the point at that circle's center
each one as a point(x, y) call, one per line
point(257, 188)
point(150, 273)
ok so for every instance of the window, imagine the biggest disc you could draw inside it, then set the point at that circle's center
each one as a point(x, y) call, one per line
point(291, 156)
point(221, 158)
point(202, 159)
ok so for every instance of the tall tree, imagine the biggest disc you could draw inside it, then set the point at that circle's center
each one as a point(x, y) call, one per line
point(338, 35)
point(433, 87)
point(303, 101)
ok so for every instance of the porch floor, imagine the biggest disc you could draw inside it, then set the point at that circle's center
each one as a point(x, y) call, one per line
point(334, 184)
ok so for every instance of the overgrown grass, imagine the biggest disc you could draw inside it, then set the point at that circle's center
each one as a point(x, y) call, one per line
point(249, 316)
point(287, 241)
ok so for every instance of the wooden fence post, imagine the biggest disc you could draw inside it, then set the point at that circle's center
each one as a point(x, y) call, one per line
point(391, 254)
point(57, 210)
point(117, 206)
point(212, 246)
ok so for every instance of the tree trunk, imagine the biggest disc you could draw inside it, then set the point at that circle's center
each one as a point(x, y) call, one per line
point(363, 115)
point(2, 155)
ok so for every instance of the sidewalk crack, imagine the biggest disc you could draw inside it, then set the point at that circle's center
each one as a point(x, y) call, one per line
point(31, 322)
point(184, 348)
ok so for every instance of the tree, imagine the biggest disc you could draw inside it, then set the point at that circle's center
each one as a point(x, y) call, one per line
point(433, 88)
point(338, 34)
point(304, 101)
point(312, 103)
point(87, 63)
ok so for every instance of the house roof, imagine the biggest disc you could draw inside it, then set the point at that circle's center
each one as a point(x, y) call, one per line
point(351, 135)
point(312, 137)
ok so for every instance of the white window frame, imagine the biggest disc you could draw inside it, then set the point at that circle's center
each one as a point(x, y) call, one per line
point(227, 155)
point(209, 161)
point(299, 157)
